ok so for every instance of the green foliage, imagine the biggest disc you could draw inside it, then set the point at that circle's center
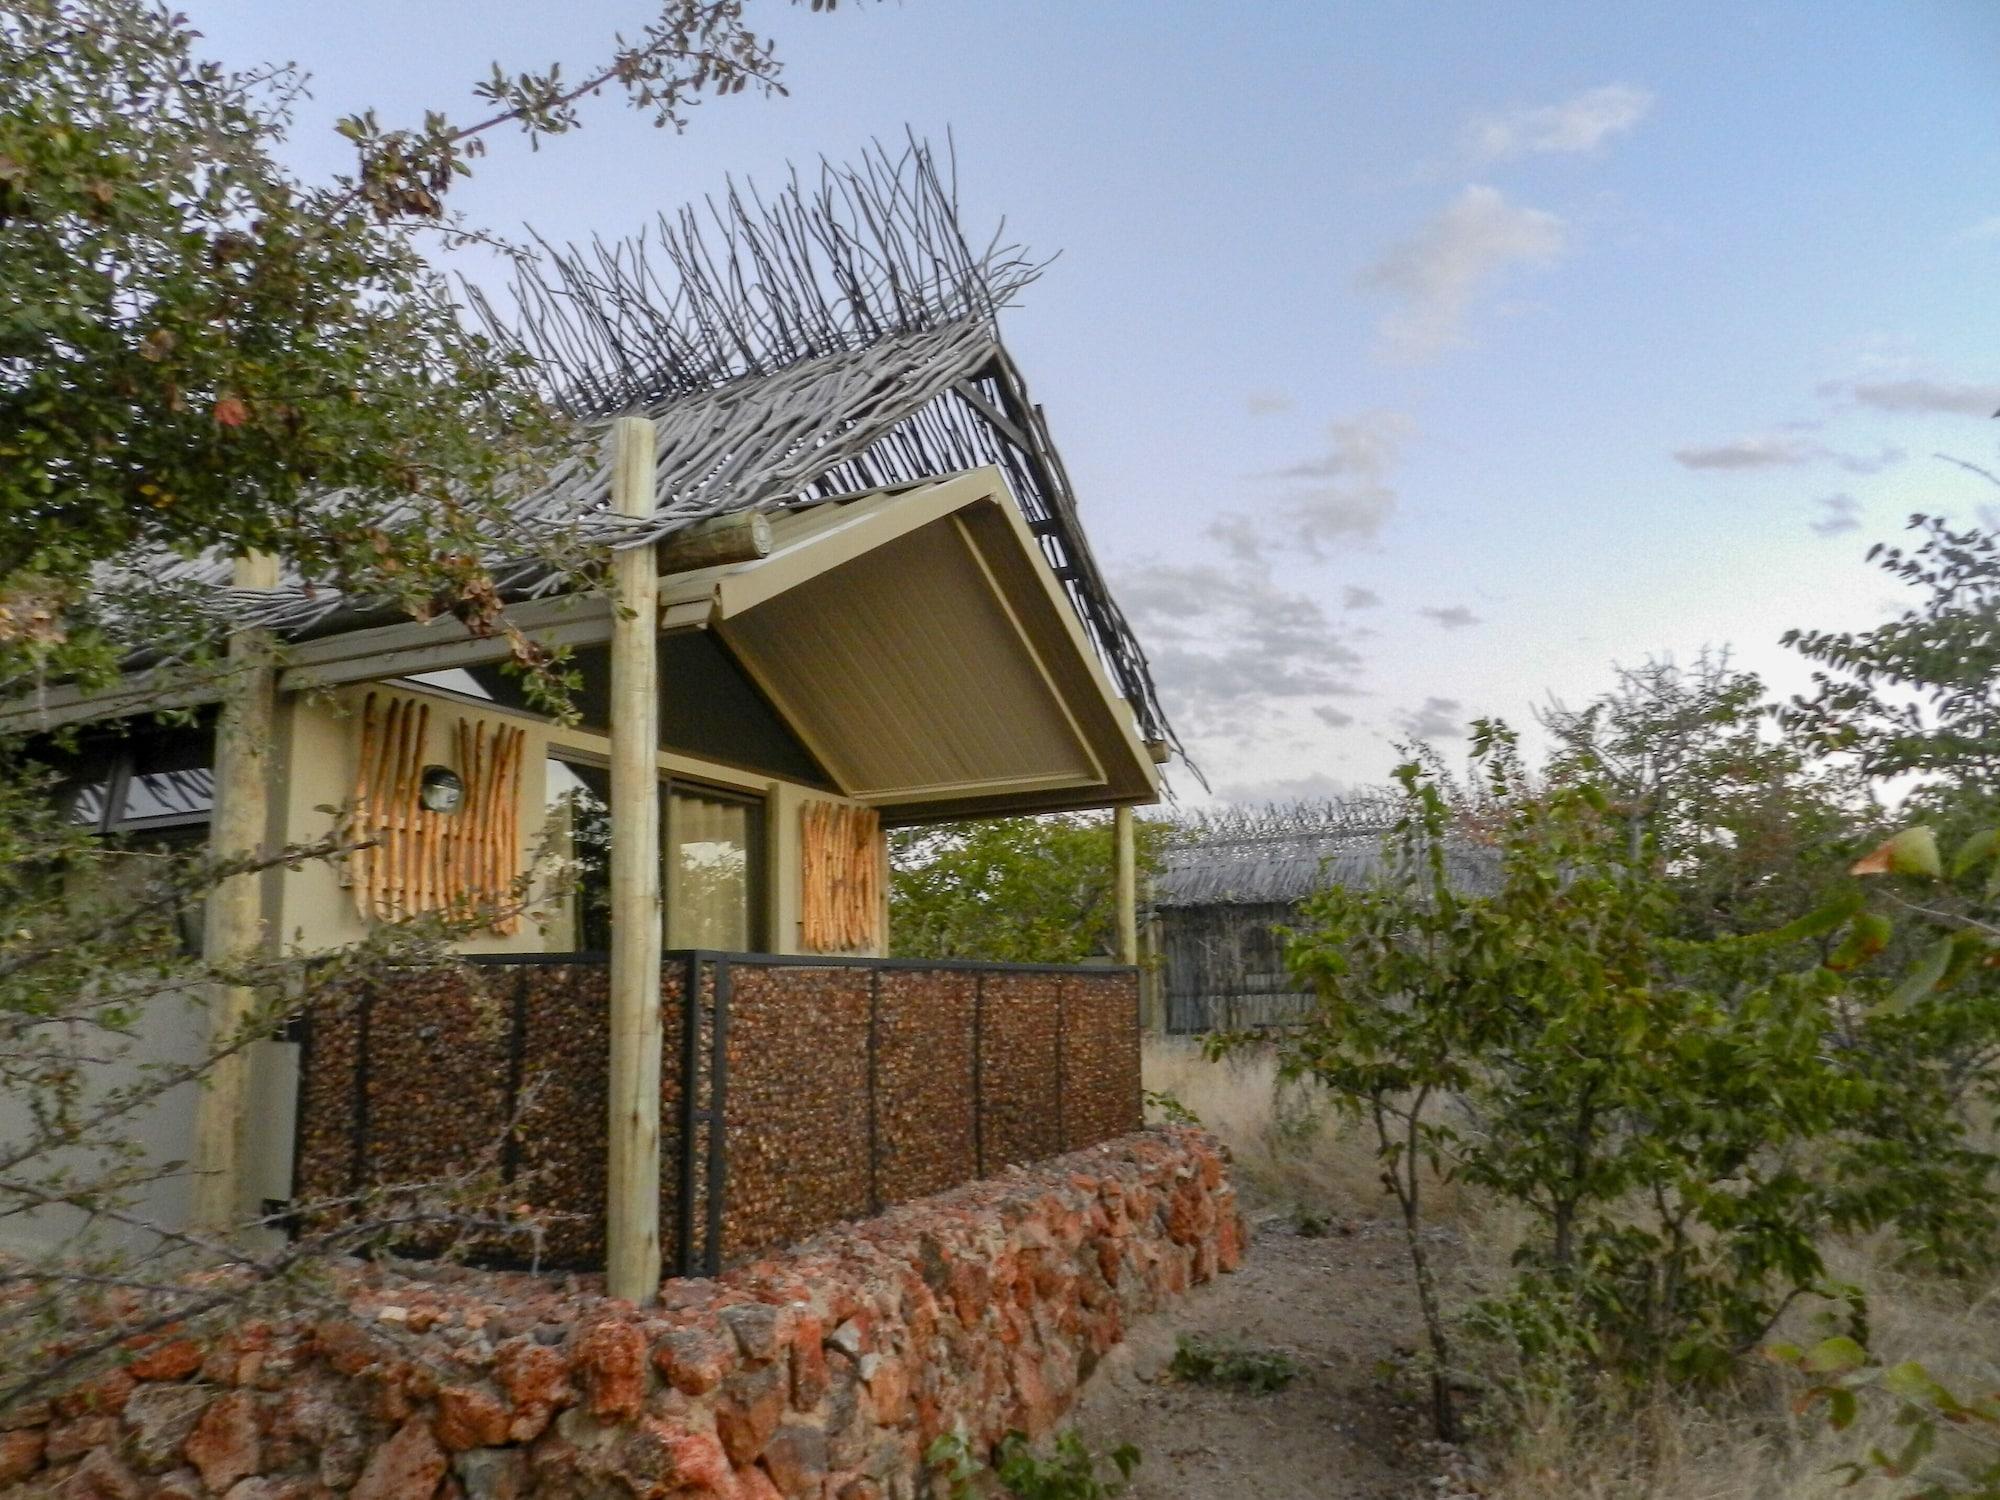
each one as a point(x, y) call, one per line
point(198, 350)
point(1844, 1379)
point(1221, 1363)
point(1069, 1472)
point(1168, 1107)
point(1310, 1222)
point(1647, 1102)
point(1744, 825)
point(1012, 890)
point(1920, 694)
point(1921, 946)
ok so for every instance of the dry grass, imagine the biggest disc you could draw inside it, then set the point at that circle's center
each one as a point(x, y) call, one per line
point(1755, 1446)
point(1291, 1149)
point(1288, 1146)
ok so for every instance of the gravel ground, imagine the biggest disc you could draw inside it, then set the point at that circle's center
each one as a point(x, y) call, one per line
point(1351, 1427)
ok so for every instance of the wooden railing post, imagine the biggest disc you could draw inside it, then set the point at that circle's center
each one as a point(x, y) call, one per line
point(233, 926)
point(1127, 868)
point(632, 1196)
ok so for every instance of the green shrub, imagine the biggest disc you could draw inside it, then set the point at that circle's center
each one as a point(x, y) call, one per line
point(1068, 1472)
point(1219, 1363)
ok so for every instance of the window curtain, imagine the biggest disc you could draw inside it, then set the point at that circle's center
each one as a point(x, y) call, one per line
point(710, 859)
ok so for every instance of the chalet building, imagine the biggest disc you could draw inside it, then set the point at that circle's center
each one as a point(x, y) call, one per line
point(849, 591)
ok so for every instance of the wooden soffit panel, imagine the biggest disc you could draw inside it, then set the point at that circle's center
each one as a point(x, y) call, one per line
point(910, 675)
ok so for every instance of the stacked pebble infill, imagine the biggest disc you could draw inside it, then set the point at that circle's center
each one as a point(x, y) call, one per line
point(825, 1371)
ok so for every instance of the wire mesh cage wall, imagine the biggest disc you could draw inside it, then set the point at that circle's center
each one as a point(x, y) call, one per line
point(795, 1092)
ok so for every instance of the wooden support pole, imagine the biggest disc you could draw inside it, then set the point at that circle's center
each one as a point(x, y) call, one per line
point(1127, 868)
point(234, 924)
point(632, 1200)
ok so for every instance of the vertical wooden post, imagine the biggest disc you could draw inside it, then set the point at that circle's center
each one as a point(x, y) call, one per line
point(1126, 863)
point(632, 1198)
point(233, 926)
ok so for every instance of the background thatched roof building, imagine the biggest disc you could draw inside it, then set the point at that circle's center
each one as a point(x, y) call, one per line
point(1231, 877)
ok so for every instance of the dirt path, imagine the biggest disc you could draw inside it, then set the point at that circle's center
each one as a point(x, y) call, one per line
point(1341, 1305)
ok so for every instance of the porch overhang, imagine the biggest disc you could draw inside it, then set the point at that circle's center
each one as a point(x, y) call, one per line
point(919, 645)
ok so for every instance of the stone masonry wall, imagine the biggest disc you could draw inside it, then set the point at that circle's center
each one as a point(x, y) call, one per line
point(823, 1371)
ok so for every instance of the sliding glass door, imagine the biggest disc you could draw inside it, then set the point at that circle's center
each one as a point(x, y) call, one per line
point(712, 880)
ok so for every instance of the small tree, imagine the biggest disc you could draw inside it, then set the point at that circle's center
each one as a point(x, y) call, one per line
point(1746, 828)
point(1012, 890)
point(1547, 1042)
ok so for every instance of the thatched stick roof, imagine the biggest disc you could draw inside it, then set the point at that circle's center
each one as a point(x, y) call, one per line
point(837, 337)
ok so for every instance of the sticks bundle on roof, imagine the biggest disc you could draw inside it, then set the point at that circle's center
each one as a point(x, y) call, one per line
point(749, 286)
point(424, 861)
point(839, 336)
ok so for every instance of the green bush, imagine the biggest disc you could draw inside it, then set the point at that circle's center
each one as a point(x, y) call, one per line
point(1220, 1363)
point(1068, 1472)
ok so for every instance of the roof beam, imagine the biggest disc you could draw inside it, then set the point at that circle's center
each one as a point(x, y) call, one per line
point(433, 645)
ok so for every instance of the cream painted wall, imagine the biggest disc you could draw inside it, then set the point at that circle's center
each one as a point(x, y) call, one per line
point(318, 757)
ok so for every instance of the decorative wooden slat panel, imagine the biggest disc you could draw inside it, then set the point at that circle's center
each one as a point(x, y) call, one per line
point(423, 861)
point(843, 877)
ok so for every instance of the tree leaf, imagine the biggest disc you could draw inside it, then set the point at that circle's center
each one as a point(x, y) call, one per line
point(1914, 851)
point(1912, 1382)
point(1869, 936)
point(1980, 846)
point(1835, 1356)
point(1825, 919)
point(1925, 976)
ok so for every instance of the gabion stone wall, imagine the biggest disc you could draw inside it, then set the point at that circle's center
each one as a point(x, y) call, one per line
point(927, 1128)
point(845, 1088)
point(796, 1103)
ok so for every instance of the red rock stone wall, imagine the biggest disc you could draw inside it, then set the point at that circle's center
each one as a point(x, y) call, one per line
point(825, 1371)
point(848, 1088)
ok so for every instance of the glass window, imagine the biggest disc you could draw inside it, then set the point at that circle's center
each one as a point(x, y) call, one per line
point(148, 792)
point(714, 875)
point(713, 856)
point(579, 805)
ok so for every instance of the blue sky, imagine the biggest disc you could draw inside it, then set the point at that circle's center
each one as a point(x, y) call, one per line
point(1412, 361)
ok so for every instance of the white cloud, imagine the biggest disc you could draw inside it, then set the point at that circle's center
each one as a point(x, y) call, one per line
point(1576, 125)
point(1954, 397)
point(1765, 451)
point(1837, 513)
point(1345, 491)
point(1868, 463)
point(1230, 646)
point(1452, 617)
point(1987, 228)
point(1437, 719)
point(1237, 535)
point(1437, 273)
point(1776, 450)
point(1356, 597)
